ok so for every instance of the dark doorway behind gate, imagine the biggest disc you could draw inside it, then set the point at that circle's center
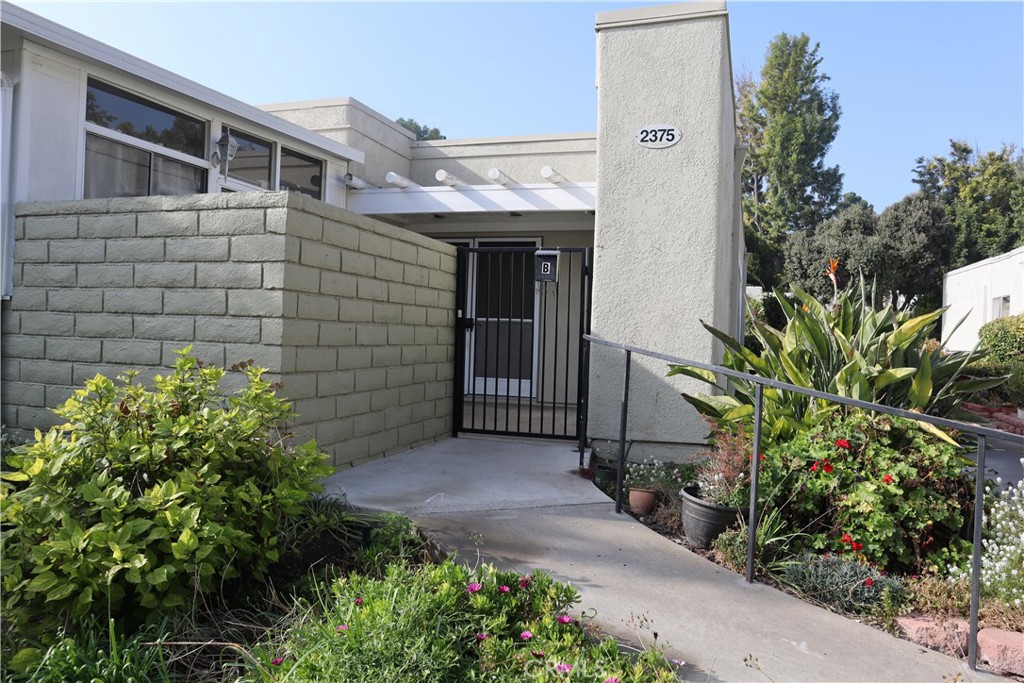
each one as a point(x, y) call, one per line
point(520, 361)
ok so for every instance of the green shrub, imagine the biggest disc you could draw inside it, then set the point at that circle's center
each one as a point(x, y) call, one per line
point(1010, 391)
point(848, 349)
point(876, 486)
point(843, 583)
point(1003, 338)
point(144, 498)
point(445, 623)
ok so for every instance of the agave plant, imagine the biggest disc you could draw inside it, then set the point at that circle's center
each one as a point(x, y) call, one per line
point(846, 348)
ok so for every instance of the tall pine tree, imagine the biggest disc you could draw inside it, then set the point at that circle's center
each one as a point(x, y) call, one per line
point(788, 121)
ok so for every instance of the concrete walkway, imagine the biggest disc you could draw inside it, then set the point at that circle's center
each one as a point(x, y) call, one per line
point(521, 506)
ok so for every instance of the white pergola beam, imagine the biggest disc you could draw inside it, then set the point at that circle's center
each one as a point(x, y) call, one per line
point(447, 178)
point(498, 176)
point(393, 178)
point(475, 199)
point(551, 175)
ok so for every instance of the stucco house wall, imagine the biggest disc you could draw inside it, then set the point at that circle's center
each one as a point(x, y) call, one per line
point(345, 119)
point(352, 315)
point(982, 292)
point(665, 236)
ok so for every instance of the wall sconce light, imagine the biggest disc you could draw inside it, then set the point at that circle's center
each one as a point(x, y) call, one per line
point(227, 147)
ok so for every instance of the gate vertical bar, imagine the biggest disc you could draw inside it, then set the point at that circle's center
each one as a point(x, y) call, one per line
point(568, 345)
point(508, 345)
point(543, 316)
point(755, 469)
point(554, 366)
point(979, 511)
point(522, 317)
point(583, 381)
point(498, 335)
point(474, 259)
point(620, 474)
point(461, 339)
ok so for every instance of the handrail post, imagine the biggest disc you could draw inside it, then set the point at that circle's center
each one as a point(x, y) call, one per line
point(755, 469)
point(979, 512)
point(620, 474)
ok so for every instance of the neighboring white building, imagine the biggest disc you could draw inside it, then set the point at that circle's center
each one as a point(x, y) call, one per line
point(654, 191)
point(983, 292)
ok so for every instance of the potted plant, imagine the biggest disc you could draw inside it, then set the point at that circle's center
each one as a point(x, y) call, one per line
point(647, 479)
point(718, 499)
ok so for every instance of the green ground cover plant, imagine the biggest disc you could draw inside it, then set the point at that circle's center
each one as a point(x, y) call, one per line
point(445, 622)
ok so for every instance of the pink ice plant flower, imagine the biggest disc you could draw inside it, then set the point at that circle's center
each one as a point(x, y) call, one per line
point(503, 589)
point(563, 668)
point(611, 679)
point(526, 635)
point(480, 637)
point(359, 601)
point(339, 629)
point(524, 581)
point(473, 588)
point(276, 661)
point(565, 619)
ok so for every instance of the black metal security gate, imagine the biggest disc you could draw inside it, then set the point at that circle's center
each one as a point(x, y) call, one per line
point(520, 362)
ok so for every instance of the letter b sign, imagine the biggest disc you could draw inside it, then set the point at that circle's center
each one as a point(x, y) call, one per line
point(546, 266)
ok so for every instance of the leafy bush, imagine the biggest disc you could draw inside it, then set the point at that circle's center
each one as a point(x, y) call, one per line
point(1003, 338)
point(144, 498)
point(879, 487)
point(1010, 391)
point(848, 349)
point(843, 583)
point(445, 623)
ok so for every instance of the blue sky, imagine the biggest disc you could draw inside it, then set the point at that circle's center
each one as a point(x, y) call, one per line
point(910, 76)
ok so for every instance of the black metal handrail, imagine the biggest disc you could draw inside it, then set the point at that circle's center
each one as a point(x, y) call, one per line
point(980, 431)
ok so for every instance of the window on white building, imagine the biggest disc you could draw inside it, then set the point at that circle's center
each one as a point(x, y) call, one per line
point(300, 173)
point(254, 160)
point(1000, 307)
point(134, 147)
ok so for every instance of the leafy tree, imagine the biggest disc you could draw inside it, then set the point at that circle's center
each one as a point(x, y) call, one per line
point(914, 246)
point(421, 132)
point(983, 195)
point(788, 121)
point(849, 237)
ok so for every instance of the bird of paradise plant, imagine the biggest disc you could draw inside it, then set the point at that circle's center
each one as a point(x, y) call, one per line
point(849, 349)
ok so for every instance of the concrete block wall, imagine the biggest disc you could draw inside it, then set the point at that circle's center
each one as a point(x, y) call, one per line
point(352, 315)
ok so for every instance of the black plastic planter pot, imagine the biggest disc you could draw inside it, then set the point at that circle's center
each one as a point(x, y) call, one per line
point(604, 475)
point(703, 521)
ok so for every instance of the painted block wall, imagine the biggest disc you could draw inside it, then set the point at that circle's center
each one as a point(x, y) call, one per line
point(352, 315)
point(665, 232)
point(974, 291)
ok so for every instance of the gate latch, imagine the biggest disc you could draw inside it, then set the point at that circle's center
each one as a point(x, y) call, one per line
point(466, 323)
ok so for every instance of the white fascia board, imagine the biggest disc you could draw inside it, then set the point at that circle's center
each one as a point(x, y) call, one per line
point(475, 198)
point(65, 40)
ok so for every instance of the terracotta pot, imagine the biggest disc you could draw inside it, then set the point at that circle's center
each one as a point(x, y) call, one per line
point(641, 501)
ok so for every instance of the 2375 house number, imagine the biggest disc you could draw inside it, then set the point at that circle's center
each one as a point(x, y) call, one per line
point(658, 137)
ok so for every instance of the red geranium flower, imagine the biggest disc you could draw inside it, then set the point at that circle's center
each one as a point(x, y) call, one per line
point(814, 467)
point(846, 538)
point(887, 479)
point(827, 467)
point(843, 443)
point(869, 581)
point(856, 546)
